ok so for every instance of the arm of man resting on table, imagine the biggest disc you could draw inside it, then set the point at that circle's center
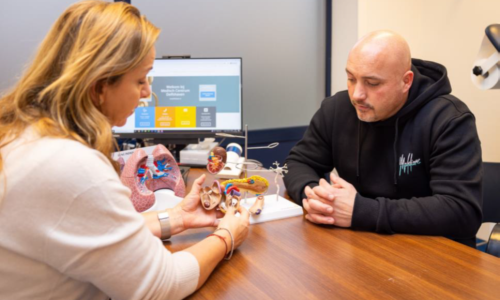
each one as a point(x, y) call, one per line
point(453, 209)
point(312, 157)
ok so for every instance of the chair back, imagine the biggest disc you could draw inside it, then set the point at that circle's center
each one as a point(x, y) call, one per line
point(491, 192)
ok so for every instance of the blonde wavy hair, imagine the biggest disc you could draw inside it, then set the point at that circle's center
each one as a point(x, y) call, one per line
point(92, 42)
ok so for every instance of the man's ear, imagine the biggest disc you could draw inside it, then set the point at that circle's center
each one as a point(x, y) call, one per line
point(407, 81)
point(96, 92)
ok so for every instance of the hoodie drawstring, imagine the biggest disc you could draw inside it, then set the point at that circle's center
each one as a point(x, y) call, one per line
point(396, 153)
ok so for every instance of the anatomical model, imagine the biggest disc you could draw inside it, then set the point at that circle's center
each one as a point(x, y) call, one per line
point(216, 160)
point(145, 175)
point(231, 195)
point(280, 171)
point(255, 184)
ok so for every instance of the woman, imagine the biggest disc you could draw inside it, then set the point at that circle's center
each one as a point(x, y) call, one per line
point(68, 228)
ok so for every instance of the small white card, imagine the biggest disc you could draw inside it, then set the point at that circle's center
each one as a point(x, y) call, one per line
point(274, 209)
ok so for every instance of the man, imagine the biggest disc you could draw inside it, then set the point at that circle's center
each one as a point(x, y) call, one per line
point(406, 151)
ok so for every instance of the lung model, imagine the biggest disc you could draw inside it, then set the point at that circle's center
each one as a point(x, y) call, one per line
point(144, 176)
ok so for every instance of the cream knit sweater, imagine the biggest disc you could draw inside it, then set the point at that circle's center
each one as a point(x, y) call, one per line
point(69, 231)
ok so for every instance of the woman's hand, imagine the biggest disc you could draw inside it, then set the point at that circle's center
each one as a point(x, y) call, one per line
point(238, 225)
point(209, 252)
point(190, 214)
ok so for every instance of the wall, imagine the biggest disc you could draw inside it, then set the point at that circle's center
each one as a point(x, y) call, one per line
point(282, 43)
point(344, 36)
point(23, 25)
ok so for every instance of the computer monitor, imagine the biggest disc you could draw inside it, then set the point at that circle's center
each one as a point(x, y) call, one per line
point(191, 98)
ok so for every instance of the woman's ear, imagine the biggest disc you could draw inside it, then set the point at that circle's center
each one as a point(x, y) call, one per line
point(96, 93)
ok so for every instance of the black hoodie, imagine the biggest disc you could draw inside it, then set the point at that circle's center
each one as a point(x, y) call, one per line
point(418, 172)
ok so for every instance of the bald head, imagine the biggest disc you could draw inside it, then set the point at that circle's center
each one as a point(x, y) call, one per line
point(379, 75)
point(386, 47)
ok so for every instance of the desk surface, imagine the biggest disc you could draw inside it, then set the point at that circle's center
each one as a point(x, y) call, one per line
point(295, 259)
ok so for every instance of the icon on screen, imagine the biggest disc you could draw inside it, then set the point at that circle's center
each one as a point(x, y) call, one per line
point(208, 92)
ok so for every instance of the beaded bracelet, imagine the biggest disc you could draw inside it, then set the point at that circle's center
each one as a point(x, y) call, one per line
point(222, 239)
point(230, 254)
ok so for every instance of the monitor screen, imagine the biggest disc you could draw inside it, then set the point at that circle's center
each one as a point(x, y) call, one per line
point(190, 98)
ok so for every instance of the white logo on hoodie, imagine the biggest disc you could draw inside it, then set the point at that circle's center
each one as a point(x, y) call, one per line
point(406, 164)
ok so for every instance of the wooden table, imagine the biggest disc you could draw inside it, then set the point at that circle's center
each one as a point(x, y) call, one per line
point(295, 259)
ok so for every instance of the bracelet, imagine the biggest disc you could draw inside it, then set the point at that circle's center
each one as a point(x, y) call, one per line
point(165, 227)
point(222, 239)
point(230, 254)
